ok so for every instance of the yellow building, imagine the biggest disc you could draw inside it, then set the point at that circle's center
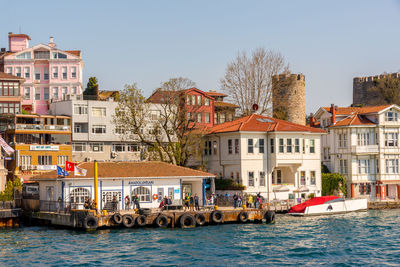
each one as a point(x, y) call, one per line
point(41, 142)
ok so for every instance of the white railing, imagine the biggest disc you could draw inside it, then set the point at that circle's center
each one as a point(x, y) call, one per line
point(365, 149)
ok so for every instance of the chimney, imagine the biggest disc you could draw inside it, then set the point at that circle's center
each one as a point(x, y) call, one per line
point(333, 112)
point(51, 42)
point(312, 120)
point(17, 42)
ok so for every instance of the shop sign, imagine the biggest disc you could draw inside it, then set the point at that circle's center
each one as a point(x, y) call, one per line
point(176, 191)
point(46, 167)
point(44, 148)
point(141, 182)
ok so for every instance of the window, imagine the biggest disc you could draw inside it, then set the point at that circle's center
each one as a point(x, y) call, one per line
point(188, 100)
point(73, 72)
point(98, 112)
point(96, 147)
point(237, 177)
point(215, 147)
point(27, 93)
point(392, 165)
point(80, 127)
point(26, 55)
point(27, 72)
point(55, 72)
point(41, 54)
point(251, 179)
point(250, 146)
point(207, 117)
point(189, 116)
point(312, 146)
point(80, 109)
point(118, 147)
point(46, 74)
point(272, 148)
point(18, 72)
point(281, 146)
point(25, 161)
point(199, 100)
point(391, 139)
point(37, 74)
point(206, 101)
point(64, 92)
point(363, 166)
point(377, 166)
point(342, 138)
point(64, 73)
point(193, 100)
point(391, 116)
point(222, 117)
point(289, 145)
point(59, 55)
point(61, 160)
point(46, 93)
point(10, 108)
point(37, 93)
point(44, 160)
point(78, 195)
point(343, 166)
point(312, 178)
point(98, 129)
point(363, 139)
point(74, 90)
point(199, 117)
point(303, 178)
point(132, 148)
point(261, 146)
point(262, 178)
point(79, 147)
point(229, 146)
point(278, 176)
point(236, 146)
point(297, 145)
point(55, 93)
point(9, 70)
point(143, 193)
point(304, 145)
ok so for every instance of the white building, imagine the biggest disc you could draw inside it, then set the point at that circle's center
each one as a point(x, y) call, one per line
point(150, 180)
point(280, 159)
point(363, 145)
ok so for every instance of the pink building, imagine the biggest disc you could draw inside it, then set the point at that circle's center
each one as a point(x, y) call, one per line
point(50, 73)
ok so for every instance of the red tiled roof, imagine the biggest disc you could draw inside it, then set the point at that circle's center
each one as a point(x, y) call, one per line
point(373, 109)
point(355, 119)
point(259, 123)
point(212, 93)
point(6, 76)
point(225, 104)
point(158, 95)
point(19, 35)
point(359, 110)
point(343, 110)
point(131, 169)
point(74, 52)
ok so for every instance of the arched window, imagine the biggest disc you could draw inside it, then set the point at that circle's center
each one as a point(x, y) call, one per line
point(143, 193)
point(79, 194)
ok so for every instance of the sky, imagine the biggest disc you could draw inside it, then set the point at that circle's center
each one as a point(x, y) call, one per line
point(148, 42)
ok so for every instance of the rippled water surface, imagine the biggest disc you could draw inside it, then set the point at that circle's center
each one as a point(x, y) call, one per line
point(364, 238)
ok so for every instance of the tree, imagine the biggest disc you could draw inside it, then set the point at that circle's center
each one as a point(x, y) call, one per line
point(8, 193)
point(161, 124)
point(386, 90)
point(248, 81)
point(92, 87)
point(333, 184)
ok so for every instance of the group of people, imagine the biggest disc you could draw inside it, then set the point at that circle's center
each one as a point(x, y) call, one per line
point(165, 202)
point(238, 201)
point(135, 202)
point(191, 202)
point(89, 204)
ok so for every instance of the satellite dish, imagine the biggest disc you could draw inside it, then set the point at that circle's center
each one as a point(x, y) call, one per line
point(255, 107)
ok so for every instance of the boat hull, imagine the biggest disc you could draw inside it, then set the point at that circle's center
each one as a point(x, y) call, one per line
point(336, 207)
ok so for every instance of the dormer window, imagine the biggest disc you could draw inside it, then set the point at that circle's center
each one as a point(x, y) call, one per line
point(59, 55)
point(42, 54)
point(391, 115)
point(26, 55)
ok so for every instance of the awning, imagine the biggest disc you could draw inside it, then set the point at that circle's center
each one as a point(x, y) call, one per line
point(282, 188)
point(301, 189)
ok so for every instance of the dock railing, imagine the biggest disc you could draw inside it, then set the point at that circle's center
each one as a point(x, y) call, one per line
point(8, 205)
point(57, 206)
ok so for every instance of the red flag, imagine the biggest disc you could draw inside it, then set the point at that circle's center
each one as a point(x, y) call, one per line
point(69, 166)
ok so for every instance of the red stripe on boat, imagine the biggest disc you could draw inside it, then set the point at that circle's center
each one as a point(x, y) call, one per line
point(300, 208)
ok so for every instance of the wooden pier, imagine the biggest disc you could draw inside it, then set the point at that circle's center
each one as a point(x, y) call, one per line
point(91, 220)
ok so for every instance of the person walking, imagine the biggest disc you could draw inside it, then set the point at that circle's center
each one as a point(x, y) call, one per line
point(135, 200)
point(235, 200)
point(196, 202)
point(127, 202)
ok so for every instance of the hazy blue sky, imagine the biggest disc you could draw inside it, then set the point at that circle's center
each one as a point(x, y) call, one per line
point(147, 42)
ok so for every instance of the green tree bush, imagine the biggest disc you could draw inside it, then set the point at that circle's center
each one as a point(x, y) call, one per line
point(8, 193)
point(227, 184)
point(333, 183)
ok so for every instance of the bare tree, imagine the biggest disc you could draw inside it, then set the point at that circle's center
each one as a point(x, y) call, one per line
point(248, 81)
point(161, 122)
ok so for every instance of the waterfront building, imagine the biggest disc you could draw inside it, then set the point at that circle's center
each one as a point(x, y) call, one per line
point(279, 159)
point(151, 181)
point(223, 111)
point(50, 73)
point(41, 142)
point(363, 145)
point(10, 93)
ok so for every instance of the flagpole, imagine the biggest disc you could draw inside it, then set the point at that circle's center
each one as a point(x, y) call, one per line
point(96, 182)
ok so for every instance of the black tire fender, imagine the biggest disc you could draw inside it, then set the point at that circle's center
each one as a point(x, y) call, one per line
point(90, 222)
point(200, 219)
point(187, 220)
point(117, 218)
point(217, 216)
point(243, 217)
point(269, 217)
point(128, 221)
point(141, 221)
point(161, 221)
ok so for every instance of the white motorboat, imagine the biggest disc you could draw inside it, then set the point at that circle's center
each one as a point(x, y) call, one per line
point(328, 205)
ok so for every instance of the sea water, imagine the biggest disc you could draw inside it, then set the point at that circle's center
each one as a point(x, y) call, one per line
point(364, 238)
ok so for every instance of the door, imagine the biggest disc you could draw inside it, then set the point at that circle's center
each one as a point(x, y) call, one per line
point(108, 197)
point(171, 192)
point(160, 192)
point(50, 193)
point(186, 189)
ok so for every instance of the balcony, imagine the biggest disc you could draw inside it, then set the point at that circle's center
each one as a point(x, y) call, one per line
point(58, 127)
point(371, 149)
point(21, 126)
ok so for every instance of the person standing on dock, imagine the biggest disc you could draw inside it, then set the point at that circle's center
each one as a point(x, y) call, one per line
point(191, 199)
point(235, 200)
point(240, 200)
point(135, 200)
point(127, 202)
point(196, 202)
point(114, 204)
point(250, 201)
point(187, 199)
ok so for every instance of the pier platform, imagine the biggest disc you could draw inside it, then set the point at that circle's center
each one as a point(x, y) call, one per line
point(9, 214)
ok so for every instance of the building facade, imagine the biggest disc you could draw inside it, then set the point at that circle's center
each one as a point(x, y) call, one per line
point(10, 93)
point(363, 145)
point(223, 111)
point(279, 159)
point(41, 142)
point(50, 73)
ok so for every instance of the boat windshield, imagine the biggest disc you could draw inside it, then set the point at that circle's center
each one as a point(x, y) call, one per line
point(334, 200)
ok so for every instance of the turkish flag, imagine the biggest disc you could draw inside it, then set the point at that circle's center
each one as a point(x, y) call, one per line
point(69, 166)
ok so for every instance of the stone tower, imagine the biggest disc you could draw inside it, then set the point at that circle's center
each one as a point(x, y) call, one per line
point(361, 86)
point(289, 97)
